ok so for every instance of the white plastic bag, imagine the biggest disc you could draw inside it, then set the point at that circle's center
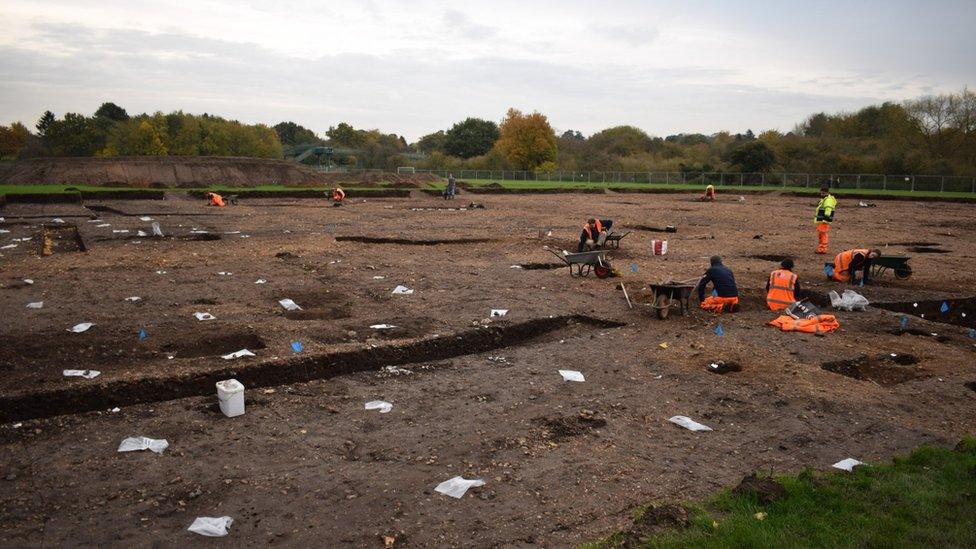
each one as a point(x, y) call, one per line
point(133, 298)
point(204, 316)
point(382, 326)
point(499, 312)
point(847, 464)
point(136, 444)
point(213, 527)
point(289, 305)
point(83, 327)
point(237, 354)
point(156, 229)
point(848, 301)
point(402, 290)
point(87, 374)
point(572, 375)
point(689, 423)
point(457, 486)
point(35, 305)
point(381, 405)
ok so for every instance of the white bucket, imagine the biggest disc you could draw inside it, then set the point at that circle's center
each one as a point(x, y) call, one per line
point(659, 247)
point(230, 394)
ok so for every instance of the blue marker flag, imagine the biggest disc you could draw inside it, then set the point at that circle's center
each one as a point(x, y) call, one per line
point(715, 293)
point(904, 322)
point(944, 308)
point(633, 267)
point(296, 346)
point(719, 331)
point(972, 333)
point(142, 334)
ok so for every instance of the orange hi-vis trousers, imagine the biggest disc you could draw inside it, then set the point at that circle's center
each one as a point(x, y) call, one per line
point(822, 237)
point(717, 304)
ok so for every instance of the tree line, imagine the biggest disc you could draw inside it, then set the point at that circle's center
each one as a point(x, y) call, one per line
point(928, 135)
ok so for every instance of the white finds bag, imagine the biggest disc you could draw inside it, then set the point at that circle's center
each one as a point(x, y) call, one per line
point(848, 301)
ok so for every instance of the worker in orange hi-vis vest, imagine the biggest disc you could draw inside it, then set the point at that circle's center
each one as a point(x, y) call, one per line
point(215, 199)
point(709, 195)
point(848, 262)
point(338, 195)
point(782, 286)
point(825, 216)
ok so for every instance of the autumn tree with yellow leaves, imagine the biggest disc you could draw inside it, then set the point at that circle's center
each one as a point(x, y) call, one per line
point(527, 141)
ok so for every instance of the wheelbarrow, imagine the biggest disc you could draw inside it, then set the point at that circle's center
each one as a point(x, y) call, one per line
point(897, 263)
point(670, 294)
point(613, 240)
point(581, 264)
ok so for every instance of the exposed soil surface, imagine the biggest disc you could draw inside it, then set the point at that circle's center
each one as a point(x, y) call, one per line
point(473, 395)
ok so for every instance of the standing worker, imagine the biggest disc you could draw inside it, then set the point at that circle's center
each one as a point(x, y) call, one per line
point(594, 234)
point(724, 281)
point(338, 195)
point(782, 286)
point(825, 216)
point(451, 188)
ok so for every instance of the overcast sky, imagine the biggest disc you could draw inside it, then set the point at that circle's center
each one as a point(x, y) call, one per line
point(415, 67)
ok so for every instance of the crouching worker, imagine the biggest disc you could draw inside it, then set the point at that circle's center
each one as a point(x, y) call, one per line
point(215, 199)
point(338, 195)
point(594, 234)
point(782, 286)
point(709, 195)
point(848, 262)
point(723, 280)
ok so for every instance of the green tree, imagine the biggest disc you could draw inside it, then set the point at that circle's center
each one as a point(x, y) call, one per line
point(430, 143)
point(752, 156)
point(112, 112)
point(74, 135)
point(290, 133)
point(345, 134)
point(13, 139)
point(621, 141)
point(44, 123)
point(470, 137)
point(526, 140)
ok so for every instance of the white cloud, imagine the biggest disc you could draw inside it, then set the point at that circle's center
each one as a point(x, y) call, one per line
point(411, 69)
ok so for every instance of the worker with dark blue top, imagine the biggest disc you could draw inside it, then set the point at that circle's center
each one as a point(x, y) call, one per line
point(594, 234)
point(723, 280)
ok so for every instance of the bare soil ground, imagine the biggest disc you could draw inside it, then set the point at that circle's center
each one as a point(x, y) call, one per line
point(473, 396)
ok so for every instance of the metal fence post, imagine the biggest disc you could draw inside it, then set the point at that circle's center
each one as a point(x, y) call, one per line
point(942, 185)
point(884, 182)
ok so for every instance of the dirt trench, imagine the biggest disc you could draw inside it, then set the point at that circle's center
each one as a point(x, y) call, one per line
point(409, 241)
point(100, 396)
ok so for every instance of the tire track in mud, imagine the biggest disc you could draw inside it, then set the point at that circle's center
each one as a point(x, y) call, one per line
point(125, 392)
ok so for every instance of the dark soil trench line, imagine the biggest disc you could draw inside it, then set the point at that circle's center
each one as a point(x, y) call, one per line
point(88, 398)
point(408, 241)
point(962, 311)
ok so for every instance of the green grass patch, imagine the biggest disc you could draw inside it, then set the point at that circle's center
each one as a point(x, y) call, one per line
point(927, 499)
point(698, 188)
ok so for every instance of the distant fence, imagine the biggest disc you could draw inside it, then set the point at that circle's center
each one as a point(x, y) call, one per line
point(890, 182)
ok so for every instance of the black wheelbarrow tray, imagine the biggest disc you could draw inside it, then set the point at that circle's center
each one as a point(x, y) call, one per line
point(670, 294)
point(897, 263)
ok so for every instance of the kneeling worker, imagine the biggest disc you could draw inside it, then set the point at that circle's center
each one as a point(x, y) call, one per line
point(594, 234)
point(709, 195)
point(338, 195)
point(782, 286)
point(848, 262)
point(215, 199)
point(723, 280)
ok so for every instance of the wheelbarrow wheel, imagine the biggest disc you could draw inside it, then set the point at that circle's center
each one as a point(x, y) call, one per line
point(663, 306)
point(601, 271)
point(901, 273)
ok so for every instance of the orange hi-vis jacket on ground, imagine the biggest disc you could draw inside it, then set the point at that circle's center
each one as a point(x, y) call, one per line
point(842, 264)
point(589, 232)
point(216, 199)
point(718, 304)
point(781, 286)
point(338, 195)
point(822, 324)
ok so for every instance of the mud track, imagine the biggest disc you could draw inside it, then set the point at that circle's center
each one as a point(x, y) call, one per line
point(410, 242)
point(48, 403)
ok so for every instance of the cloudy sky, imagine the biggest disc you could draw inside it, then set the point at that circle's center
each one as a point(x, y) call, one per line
point(415, 67)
